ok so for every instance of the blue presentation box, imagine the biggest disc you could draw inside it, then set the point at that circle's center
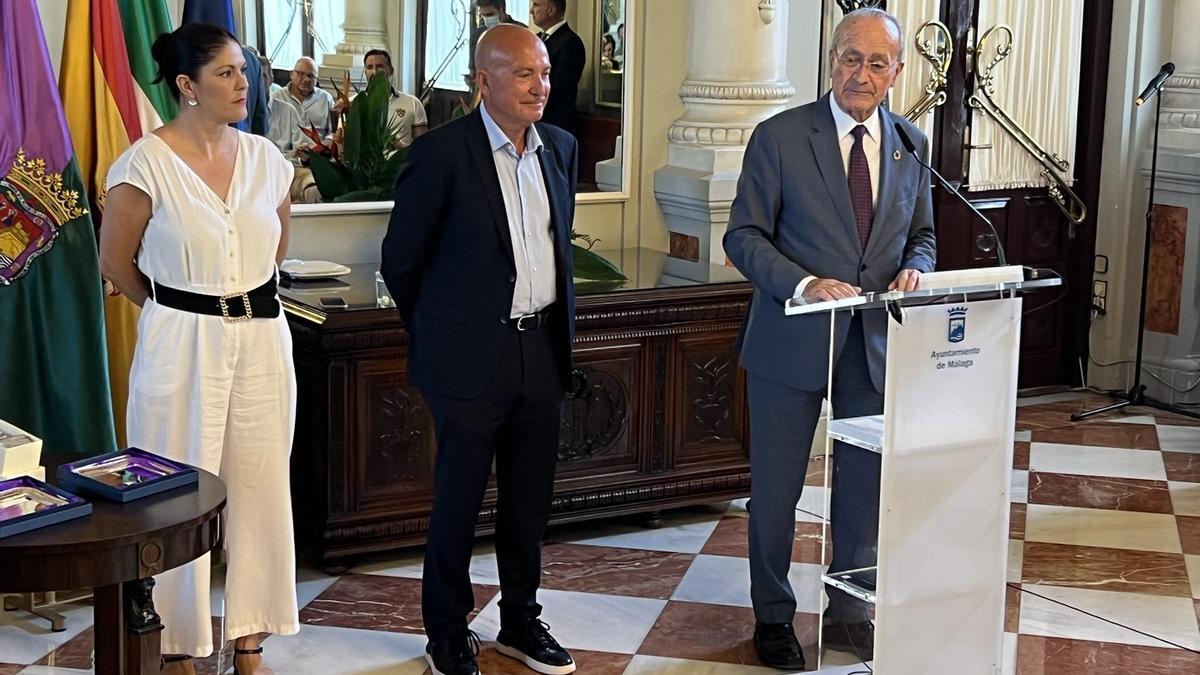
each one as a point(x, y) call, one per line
point(29, 504)
point(126, 475)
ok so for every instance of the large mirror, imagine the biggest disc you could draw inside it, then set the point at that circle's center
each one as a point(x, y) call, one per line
point(431, 45)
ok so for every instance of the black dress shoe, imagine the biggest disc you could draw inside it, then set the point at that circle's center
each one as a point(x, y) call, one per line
point(856, 638)
point(777, 646)
point(531, 643)
point(454, 654)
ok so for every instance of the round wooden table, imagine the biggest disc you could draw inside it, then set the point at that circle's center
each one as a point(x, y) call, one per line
point(116, 550)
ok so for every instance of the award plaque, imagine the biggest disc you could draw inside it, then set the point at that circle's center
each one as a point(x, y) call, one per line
point(29, 504)
point(125, 475)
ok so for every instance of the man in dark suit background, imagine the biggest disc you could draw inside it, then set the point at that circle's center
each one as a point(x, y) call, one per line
point(477, 258)
point(828, 205)
point(567, 57)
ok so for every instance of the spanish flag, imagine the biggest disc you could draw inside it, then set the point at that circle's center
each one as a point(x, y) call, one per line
point(53, 374)
point(106, 112)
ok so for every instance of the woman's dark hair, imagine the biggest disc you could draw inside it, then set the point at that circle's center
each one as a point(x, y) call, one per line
point(186, 50)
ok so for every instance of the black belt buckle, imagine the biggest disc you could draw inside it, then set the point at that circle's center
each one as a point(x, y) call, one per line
point(247, 312)
point(528, 322)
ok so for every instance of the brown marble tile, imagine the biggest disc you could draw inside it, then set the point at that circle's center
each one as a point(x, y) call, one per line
point(1012, 608)
point(1105, 569)
point(684, 246)
point(10, 669)
point(76, 653)
point(816, 472)
point(1016, 521)
point(689, 630)
point(1110, 435)
point(1021, 456)
point(1038, 655)
point(1098, 492)
point(613, 571)
point(731, 538)
point(377, 603)
point(1171, 419)
point(1164, 279)
point(1189, 533)
point(1182, 466)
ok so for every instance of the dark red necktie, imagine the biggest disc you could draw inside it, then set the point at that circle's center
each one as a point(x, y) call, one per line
point(859, 177)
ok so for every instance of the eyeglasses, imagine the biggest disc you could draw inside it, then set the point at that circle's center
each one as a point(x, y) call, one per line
point(854, 61)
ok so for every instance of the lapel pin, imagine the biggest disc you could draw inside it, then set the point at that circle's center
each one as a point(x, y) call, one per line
point(896, 155)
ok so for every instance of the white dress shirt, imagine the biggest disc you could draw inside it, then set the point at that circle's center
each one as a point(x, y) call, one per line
point(527, 205)
point(550, 31)
point(845, 125)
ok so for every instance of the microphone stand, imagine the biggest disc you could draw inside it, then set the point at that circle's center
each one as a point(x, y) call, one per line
point(1137, 392)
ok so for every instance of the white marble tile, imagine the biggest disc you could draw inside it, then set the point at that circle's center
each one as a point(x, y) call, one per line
point(737, 507)
point(1193, 570)
point(53, 670)
point(1178, 439)
point(1050, 398)
point(411, 565)
point(1132, 419)
point(681, 532)
point(811, 506)
point(1099, 527)
point(724, 580)
point(1023, 436)
point(661, 665)
point(309, 584)
point(1169, 618)
point(1008, 664)
point(1016, 560)
point(345, 651)
point(1018, 492)
point(603, 623)
point(1090, 460)
point(25, 638)
point(1185, 498)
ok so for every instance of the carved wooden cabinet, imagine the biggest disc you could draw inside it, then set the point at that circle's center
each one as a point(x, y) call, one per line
point(662, 423)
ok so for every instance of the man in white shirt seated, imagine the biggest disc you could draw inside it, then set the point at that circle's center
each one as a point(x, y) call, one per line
point(315, 106)
point(404, 111)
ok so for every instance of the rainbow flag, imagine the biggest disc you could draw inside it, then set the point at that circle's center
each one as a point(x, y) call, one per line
point(53, 374)
point(106, 111)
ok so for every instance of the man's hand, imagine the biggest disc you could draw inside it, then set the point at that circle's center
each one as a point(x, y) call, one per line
point(906, 280)
point(829, 289)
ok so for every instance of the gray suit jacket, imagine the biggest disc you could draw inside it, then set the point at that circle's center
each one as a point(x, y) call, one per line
point(792, 218)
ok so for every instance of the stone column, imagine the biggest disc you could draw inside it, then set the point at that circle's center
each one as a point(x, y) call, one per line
point(365, 29)
point(737, 60)
point(1172, 341)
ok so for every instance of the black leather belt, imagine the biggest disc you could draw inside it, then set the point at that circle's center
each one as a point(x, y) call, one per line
point(259, 303)
point(531, 321)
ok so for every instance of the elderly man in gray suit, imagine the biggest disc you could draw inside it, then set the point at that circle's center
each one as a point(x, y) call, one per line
point(828, 205)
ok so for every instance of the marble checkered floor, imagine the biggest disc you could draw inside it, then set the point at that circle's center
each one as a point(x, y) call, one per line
point(1105, 531)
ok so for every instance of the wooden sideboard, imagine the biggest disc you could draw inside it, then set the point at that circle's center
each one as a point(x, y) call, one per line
point(663, 422)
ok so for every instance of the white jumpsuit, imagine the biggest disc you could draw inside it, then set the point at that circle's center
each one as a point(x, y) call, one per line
point(218, 395)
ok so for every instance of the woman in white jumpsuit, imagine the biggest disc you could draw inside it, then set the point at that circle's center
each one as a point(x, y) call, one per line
point(198, 211)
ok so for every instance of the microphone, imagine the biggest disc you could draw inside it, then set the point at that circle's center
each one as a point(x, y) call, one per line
point(1163, 73)
point(912, 150)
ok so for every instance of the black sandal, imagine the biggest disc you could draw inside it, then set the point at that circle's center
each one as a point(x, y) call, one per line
point(238, 651)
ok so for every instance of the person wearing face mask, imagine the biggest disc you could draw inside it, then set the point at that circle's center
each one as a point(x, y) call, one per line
point(491, 13)
point(195, 223)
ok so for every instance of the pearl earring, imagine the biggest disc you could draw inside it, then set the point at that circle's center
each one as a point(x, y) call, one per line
point(192, 102)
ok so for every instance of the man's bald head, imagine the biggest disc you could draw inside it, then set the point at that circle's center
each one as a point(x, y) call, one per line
point(513, 77)
point(498, 45)
point(304, 77)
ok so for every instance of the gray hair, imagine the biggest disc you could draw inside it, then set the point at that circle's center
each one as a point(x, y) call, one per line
point(870, 13)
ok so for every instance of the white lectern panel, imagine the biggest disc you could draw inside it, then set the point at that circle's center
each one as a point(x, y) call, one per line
point(949, 412)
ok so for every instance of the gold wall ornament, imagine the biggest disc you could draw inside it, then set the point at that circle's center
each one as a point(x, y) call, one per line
point(981, 99)
point(934, 43)
point(63, 205)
